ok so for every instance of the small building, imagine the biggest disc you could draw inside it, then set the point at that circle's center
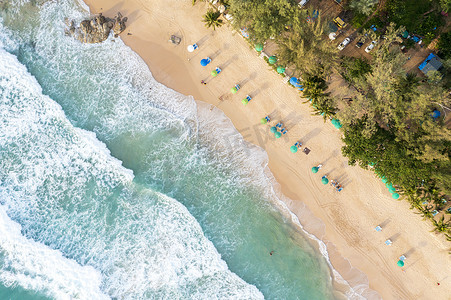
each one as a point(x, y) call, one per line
point(431, 63)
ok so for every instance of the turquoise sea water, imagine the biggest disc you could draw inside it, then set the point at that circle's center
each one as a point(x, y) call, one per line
point(114, 186)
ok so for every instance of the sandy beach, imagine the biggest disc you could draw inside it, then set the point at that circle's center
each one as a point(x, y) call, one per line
point(349, 216)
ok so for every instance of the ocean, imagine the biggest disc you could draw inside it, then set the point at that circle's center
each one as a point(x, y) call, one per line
point(113, 186)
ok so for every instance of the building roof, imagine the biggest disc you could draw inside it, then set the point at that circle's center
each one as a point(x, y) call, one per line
point(431, 63)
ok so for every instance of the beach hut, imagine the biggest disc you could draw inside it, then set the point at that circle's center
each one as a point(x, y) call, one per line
point(259, 47)
point(205, 61)
point(324, 180)
point(280, 70)
point(277, 134)
point(272, 60)
point(315, 170)
point(395, 196)
point(274, 129)
point(293, 149)
point(264, 121)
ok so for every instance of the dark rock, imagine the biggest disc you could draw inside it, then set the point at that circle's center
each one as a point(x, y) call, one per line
point(96, 29)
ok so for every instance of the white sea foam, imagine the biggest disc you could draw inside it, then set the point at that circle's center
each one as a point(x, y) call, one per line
point(69, 193)
point(37, 267)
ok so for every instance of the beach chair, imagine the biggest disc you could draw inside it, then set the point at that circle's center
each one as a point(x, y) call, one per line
point(283, 131)
point(246, 100)
point(279, 125)
point(378, 228)
point(388, 242)
point(402, 258)
point(267, 118)
point(218, 70)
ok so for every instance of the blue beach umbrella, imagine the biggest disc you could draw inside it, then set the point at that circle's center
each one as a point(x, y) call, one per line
point(272, 60)
point(336, 123)
point(384, 180)
point(258, 47)
point(205, 61)
point(277, 135)
point(315, 170)
point(400, 263)
point(388, 185)
point(395, 195)
point(293, 149)
point(274, 129)
point(324, 180)
point(392, 190)
point(280, 69)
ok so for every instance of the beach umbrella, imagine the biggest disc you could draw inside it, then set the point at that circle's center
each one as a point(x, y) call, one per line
point(315, 170)
point(400, 263)
point(258, 47)
point(293, 149)
point(214, 73)
point(205, 61)
point(274, 129)
point(191, 48)
point(272, 60)
point(294, 81)
point(388, 185)
point(392, 190)
point(435, 114)
point(336, 123)
point(277, 135)
point(395, 195)
point(244, 101)
point(234, 90)
point(384, 180)
point(280, 69)
point(263, 121)
point(324, 180)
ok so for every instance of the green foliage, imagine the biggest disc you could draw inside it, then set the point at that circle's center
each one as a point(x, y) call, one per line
point(358, 20)
point(444, 45)
point(445, 5)
point(314, 91)
point(353, 69)
point(364, 7)
point(211, 19)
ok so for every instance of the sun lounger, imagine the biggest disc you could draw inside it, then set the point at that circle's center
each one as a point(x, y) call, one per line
point(378, 228)
point(402, 258)
point(283, 131)
point(388, 242)
point(279, 125)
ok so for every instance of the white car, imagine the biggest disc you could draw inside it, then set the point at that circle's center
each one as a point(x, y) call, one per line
point(370, 46)
point(302, 3)
point(344, 43)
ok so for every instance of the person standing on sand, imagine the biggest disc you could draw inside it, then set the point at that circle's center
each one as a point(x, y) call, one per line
point(271, 253)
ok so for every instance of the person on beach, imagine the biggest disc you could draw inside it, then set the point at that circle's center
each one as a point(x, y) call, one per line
point(271, 253)
point(203, 82)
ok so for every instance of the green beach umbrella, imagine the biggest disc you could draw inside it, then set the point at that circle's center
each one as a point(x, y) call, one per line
point(280, 69)
point(325, 180)
point(274, 129)
point(395, 195)
point(272, 60)
point(388, 185)
point(336, 123)
point(315, 170)
point(293, 149)
point(263, 121)
point(384, 180)
point(392, 190)
point(244, 101)
point(277, 135)
point(234, 90)
point(214, 73)
point(400, 263)
point(258, 47)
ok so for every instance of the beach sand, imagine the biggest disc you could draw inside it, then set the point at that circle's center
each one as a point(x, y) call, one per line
point(349, 216)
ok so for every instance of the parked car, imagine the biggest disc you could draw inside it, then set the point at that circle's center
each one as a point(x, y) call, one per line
point(344, 43)
point(359, 44)
point(302, 3)
point(370, 46)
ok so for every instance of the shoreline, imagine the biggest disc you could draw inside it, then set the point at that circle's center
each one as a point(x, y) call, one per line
point(349, 218)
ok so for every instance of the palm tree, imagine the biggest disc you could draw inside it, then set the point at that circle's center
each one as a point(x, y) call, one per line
point(441, 225)
point(211, 19)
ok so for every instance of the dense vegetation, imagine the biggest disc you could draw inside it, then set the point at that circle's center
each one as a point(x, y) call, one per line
point(387, 122)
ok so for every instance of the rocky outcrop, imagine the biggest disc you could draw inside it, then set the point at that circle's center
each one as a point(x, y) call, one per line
point(96, 29)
